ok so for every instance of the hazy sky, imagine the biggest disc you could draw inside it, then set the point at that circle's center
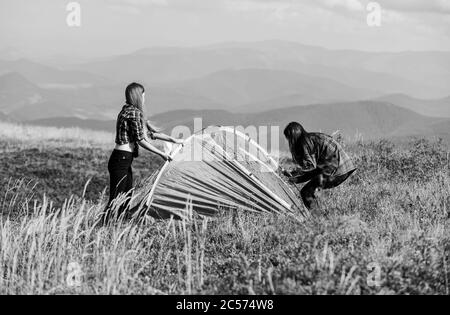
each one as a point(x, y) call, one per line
point(38, 27)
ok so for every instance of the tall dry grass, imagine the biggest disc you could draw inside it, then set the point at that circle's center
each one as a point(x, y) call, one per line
point(60, 251)
point(54, 251)
point(385, 231)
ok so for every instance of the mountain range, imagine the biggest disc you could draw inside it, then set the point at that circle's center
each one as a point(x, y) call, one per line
point(3, 117)
point(434, 108)
point(239, 89)
point(49, 77)
point(258, 83)
point(419, 74)
point(366, 119)
point(244, 91)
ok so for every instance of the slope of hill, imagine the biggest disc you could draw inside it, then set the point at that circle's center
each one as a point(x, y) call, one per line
point(68, 122)
point(233, 88)
point(434, 67)
point(284, 102)
point(14, 82)
point(260, 75)
point(24, 100)
point(238, 87)
point(386, 72)
point(166, 121)
point(174, 64)
point(3, 117)
point(368, 119)
point(45, 76)
point(16, 91)
point(441, 127)
point(104, 102)
point(434, 108)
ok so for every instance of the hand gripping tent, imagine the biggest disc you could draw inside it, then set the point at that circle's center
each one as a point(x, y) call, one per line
point(219, 169)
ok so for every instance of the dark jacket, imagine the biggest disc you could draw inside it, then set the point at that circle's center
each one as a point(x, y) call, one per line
point(321, 154)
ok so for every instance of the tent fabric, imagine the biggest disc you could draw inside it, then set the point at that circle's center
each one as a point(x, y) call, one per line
point(219, 169)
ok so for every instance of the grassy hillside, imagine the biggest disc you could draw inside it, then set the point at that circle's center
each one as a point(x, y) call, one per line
point(391, 217)
point(59, 162)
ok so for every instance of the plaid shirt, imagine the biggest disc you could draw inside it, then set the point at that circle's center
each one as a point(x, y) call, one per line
point(129, 127)
point(326, 155)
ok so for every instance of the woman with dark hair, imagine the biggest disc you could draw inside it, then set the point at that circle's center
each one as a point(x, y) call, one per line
point(322, 162)
point(132, 131)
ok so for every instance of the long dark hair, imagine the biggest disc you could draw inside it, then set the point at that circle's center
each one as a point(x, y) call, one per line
point(134, 97)
point(298, 138)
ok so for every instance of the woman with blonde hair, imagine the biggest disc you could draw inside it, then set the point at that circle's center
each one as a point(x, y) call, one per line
point(131, 133)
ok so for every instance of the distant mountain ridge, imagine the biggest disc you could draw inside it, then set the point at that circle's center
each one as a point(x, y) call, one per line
point(369, 119)
point(237, 77)
point(434, 107)
point(237, 88)
point(68, 122)
point(16, 92)
point(385, 72)
point(24, 100)
point(46, 76)
point(3, 117)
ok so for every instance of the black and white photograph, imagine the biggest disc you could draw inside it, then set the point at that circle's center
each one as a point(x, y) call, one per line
point(223, 155)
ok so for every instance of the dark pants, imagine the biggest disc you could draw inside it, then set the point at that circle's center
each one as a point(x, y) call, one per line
point(308, 192)
point(121, 178)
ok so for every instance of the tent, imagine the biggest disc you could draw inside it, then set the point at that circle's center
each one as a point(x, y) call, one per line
point(218, 169)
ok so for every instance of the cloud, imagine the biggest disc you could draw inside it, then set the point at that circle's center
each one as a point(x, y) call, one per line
point(141, 2)
point(124, 9)
point(342, 14)
point(253, 5)
point(351, 5)
point(261, 5)
point(435, 6)
point(133, 7)
point(418, 6)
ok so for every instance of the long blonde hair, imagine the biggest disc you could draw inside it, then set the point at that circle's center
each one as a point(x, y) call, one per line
point(133, 97)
